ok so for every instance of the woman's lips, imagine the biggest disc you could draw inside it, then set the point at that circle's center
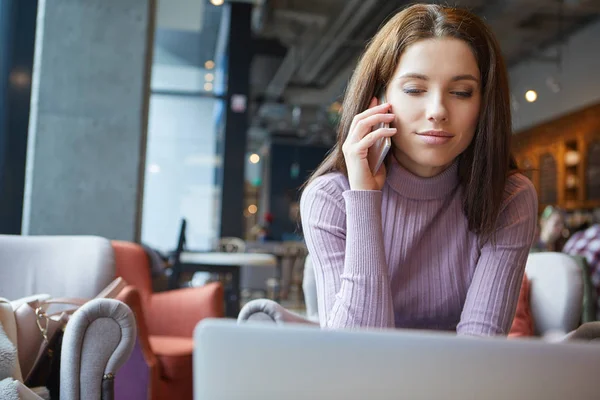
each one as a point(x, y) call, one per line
point(435, 137)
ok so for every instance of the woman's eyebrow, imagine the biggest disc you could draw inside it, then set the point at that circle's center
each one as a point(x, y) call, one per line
point(456, 78)
point(465, 77)
point(414, 76)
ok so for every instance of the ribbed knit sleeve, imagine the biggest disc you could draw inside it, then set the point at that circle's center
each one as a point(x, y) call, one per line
point(492, 296)
point(343, 233)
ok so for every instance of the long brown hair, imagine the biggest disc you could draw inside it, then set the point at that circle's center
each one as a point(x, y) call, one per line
point(485, 165)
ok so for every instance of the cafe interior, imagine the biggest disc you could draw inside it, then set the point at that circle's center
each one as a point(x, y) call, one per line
point(153, 155)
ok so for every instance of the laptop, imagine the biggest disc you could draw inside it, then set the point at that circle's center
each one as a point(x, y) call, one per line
point(298, 362)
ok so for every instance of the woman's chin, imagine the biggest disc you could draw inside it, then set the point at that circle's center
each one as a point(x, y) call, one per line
point(435, 163)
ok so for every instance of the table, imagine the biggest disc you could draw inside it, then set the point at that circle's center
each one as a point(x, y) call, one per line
point(290, 250)
point(268, 246)
point(217, 262)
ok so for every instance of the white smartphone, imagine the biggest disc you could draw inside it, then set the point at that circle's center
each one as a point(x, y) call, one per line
point(379, 150)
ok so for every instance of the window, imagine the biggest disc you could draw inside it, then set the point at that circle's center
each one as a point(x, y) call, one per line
point(185, 124)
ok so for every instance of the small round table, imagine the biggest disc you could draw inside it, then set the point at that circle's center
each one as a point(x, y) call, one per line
point(217, 262)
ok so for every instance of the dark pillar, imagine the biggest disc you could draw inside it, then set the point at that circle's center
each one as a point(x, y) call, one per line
point(17, 40)
point(236, 121)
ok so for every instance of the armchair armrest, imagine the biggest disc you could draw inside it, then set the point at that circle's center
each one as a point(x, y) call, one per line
point(139, 376)
point(589, 331)
point(265, 310)
point(177, 312)
point(98, 339)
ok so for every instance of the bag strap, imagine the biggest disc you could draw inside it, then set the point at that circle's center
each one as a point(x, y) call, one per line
point(73, 301)
point(113, 289)
point(109, 292)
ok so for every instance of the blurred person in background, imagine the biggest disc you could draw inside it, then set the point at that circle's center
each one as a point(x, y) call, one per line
point(586, 243)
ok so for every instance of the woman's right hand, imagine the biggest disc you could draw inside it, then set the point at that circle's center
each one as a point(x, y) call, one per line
point(361, 137)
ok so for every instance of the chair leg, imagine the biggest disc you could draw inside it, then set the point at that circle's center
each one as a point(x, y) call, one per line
point(174, 277)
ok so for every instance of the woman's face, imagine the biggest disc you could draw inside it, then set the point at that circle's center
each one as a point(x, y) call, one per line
point(435, 95)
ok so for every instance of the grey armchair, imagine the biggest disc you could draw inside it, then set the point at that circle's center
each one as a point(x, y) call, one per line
point(100, 335)
point(98, 339)
point(62, 266)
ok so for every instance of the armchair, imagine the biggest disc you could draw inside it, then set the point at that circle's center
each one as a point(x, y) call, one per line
point(97, 340)
point(62, 266)
point(557, 292)
point(100, 335)
point(166, 321)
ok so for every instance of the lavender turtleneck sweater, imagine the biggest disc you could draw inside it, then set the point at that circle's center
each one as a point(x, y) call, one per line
point(404, 256)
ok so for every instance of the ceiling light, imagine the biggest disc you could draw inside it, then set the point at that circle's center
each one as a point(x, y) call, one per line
point(531, 96)
point(216, 2)
point(208, 86)
point(254, 158)
point(210, 64)
point(209, 77)
point(252, 209)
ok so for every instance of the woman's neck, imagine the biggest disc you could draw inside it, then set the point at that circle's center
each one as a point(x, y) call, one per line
point(410, 185)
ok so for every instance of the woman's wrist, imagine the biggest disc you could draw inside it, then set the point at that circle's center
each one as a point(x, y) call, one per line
point(361, 185)
point(362, 203)
point(364, 188)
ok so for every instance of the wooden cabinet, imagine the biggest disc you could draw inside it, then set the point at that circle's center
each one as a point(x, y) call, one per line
point(562, 159)
point(547, 182)
point(592, 172)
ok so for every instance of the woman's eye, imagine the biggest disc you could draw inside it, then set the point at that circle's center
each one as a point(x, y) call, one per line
point(413, 91)
point(463, 94)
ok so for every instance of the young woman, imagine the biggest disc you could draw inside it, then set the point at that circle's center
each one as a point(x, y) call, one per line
point(438, 237)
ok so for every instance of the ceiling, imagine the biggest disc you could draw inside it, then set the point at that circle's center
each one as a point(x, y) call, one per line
point(324, 38)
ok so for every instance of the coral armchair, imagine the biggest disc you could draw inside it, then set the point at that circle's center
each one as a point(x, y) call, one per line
point(161, 366)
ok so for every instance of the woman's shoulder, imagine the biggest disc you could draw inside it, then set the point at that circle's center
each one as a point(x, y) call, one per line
point(328, 186)
point(518, 183)
point(519, 190)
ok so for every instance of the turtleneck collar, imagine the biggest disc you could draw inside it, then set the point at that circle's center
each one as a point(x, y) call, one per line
point(415, 187)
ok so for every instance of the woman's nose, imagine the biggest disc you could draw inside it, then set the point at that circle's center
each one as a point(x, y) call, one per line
point(436, 110)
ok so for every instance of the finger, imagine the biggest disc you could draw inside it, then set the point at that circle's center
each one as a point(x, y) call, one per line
point(372, 110)
point(364, 126)
point(370, 139)
point(372, 103)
